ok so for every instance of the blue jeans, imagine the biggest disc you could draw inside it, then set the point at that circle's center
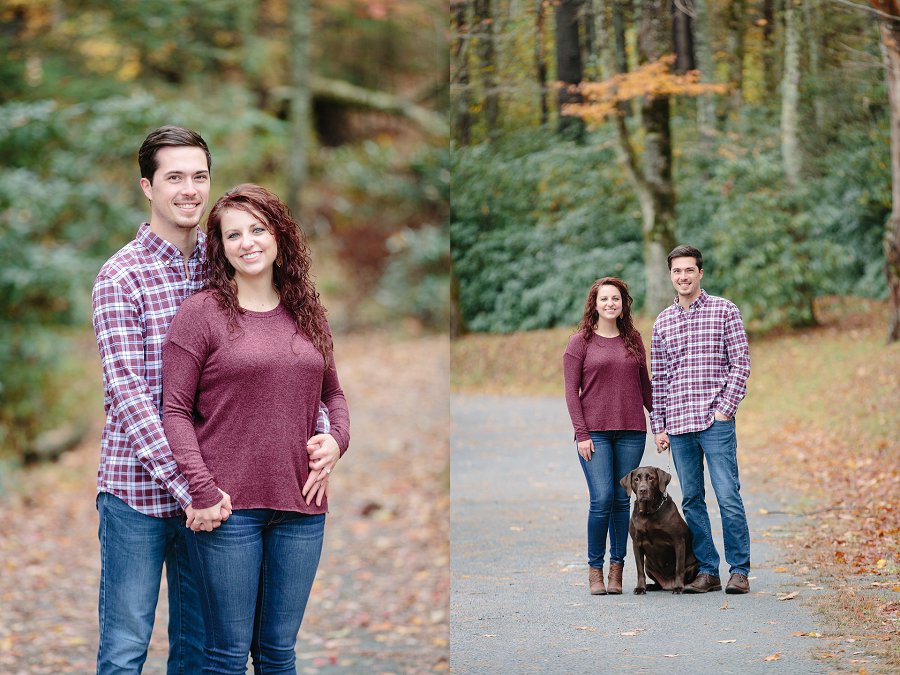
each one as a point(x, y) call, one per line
point(133, 548)
point(718, 444)
point(255, 573)
point(616, 453)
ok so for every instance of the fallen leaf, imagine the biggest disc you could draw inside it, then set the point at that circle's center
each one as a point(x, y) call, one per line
point(630, 633)
point(488, 635)
point(763, 511)
point(780, 569)
point(773, 657)
point(811, 634)
point(881, 563)
point(672, 656)
point(788, 596)
point(725, 606)
point(516, 528)
point(590, 628)
point(726, 642)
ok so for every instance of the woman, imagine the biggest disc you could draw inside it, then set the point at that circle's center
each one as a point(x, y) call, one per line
point(607, 387)
point(245, 364)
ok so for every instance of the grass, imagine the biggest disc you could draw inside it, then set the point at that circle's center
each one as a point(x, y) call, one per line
point(823, 405)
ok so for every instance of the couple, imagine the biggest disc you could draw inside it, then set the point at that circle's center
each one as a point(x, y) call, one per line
point(701, 362)
point(224, 419)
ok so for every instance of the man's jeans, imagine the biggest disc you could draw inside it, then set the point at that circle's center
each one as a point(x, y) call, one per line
point(718, 444)
point(616, 453)
point(255, 574)
point(133, 548)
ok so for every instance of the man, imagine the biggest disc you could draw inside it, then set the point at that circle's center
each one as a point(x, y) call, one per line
point(143, 498)
point(701, 362)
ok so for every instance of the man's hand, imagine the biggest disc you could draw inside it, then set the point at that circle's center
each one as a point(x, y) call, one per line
point(722, 418)
point(662, 441)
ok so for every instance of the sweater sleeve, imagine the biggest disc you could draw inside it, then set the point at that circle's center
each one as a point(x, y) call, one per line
point(181, 375)
point(573, 362)
point(644, 374)
point(338, 413)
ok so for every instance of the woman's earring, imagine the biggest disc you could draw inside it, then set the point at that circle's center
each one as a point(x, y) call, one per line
point(278, 260)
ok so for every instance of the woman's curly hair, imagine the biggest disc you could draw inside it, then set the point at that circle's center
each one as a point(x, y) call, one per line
point(624, 323)
point(292, 278)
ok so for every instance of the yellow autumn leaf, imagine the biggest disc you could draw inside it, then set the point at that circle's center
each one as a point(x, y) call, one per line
point(773, 657)
point(881, 563)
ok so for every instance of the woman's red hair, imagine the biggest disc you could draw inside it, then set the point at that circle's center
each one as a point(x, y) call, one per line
point(292, 279)
point(624, 323)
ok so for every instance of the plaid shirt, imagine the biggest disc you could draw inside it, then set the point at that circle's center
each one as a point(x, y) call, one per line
point(700, 362)
point(135, 297)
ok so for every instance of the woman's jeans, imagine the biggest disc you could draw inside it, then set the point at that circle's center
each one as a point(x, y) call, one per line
point(255, 573)
point(133, 548)
point(616, 453)
point(718, 444)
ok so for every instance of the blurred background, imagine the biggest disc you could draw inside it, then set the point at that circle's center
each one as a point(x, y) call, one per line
point(336, 106)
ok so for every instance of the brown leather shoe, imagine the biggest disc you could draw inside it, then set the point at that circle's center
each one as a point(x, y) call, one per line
point(704, 583)
point(614, 585)
point(738, 583)
point(595, 579)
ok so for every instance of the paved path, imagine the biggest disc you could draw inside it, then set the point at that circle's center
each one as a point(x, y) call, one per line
point(520, 602)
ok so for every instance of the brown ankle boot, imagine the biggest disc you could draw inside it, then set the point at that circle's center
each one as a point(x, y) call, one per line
point(614, 585)
point(595, 579)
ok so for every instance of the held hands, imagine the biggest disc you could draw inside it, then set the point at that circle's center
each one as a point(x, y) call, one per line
point(323, 454)
point(585, 448)
point(662, 441)
point(208, 519)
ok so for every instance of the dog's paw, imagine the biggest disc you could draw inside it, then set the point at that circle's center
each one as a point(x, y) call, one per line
point(678, 590)
point(640, 590)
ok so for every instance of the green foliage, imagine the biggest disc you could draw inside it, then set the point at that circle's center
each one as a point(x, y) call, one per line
point(416, 280)
point(533, 224)
point(534, 221)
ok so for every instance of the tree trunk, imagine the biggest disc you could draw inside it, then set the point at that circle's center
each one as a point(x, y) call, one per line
point(619, 8)
point(540, 60)
point(736, 19)
point(769, 55)
point(890, 38)
point(461, 103)
point(812, 21)
point(706, 104)
point(301, 31)
point(568, 66)
point(682, 38)
point(790, 95)
point(483, 25)
point(658, 200)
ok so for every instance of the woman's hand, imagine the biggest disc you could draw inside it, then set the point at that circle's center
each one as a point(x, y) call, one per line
point(208, 519)
point(323, 454)
point(585, 448)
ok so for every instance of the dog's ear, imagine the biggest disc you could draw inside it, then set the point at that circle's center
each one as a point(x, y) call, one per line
point(626, 482)
point(663, 478)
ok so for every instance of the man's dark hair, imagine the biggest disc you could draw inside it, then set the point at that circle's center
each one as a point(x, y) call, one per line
point(685, 251)
point(167, 136)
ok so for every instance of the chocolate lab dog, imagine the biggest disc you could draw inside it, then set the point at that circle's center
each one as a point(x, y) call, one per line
point(660, 537)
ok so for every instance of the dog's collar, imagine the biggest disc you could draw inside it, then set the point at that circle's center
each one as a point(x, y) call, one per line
point(662, 501)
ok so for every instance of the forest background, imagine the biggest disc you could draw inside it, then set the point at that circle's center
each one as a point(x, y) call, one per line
point(758, 131)
point(331, 105)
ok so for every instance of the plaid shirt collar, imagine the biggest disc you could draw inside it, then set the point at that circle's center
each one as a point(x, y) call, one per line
point(163, 250)
point(696, 304)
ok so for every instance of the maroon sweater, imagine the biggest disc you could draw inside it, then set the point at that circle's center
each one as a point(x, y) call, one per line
point(239, 407)
point(606, 388)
